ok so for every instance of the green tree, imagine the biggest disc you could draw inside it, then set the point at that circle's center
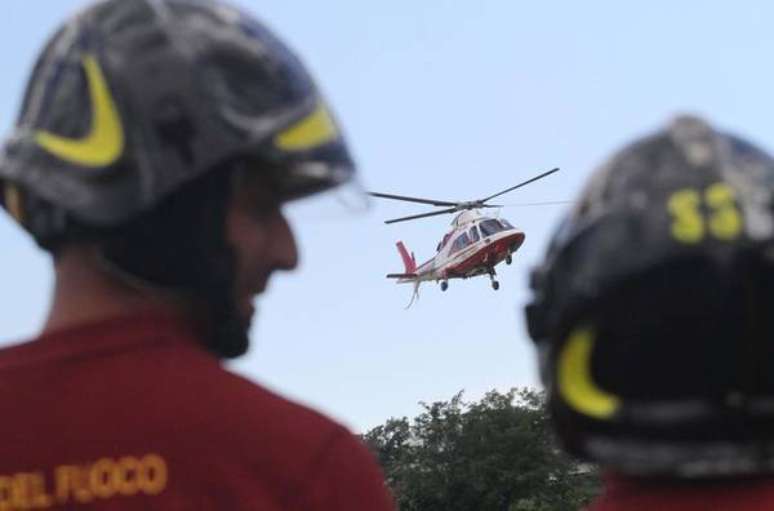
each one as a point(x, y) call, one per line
point(496, 454)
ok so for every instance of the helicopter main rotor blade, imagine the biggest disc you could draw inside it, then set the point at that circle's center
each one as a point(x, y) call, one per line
point(422, 215)
point(528, 181)
point(412, 199)
point(544, 203)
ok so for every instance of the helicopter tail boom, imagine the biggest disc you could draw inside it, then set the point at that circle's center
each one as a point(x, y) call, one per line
point(401, 276)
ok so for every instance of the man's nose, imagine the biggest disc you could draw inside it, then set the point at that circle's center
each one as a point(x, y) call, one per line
point(284, 243)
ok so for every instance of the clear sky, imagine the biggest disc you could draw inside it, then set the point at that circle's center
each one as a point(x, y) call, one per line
point(451, 100)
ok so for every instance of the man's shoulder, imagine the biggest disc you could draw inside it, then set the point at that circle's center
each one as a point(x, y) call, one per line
point(247, 418)
point(322, 462)
point(256, 408)
point(317, 462)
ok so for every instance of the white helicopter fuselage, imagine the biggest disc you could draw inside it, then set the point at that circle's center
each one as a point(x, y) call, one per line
point(474, 246)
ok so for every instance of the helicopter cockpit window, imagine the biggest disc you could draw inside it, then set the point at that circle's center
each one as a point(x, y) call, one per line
point(490, 226)
point(442, 243)
point(506, 224)
point(461, 242)
point(473, 232)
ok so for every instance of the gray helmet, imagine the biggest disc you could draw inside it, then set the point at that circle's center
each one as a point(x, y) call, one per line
point(652, 309)
point(131, 99)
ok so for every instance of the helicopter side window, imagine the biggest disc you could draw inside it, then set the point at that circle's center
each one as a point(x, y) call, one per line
point(490, 226)
point(473, 234)
point(461, 242)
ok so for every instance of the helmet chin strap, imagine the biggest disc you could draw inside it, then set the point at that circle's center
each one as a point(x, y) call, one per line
point(179, 248)
point(132, 280)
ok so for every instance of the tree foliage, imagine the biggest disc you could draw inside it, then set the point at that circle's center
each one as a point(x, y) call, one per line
point(495, 454)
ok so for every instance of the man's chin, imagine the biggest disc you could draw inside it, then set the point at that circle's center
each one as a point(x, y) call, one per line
point(229, 336)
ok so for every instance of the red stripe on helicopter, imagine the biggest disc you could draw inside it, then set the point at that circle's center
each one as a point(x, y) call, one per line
point(489, 255)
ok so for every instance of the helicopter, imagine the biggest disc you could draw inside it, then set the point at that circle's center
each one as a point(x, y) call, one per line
point(474, 246)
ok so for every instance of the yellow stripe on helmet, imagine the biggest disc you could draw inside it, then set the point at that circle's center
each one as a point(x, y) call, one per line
point(104, 143)
point(575, 382)
point(312, 131)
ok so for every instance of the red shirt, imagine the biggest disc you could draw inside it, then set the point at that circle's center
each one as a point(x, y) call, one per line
point(622, 494)
point(132, 413)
